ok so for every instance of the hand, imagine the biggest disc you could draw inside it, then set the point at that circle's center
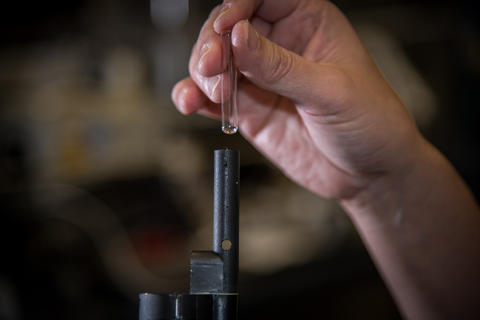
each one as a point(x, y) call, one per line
point(311, 98)
point(313, 101)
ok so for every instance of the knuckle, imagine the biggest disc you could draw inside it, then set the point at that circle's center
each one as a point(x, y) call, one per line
point(281, 64)
point(343, 82)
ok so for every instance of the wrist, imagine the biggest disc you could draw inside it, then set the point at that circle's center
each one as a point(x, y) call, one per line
point(420, 225)
point(408, 181)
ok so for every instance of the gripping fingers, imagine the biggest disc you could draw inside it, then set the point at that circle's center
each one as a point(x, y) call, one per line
point(205, 63)
point(188, 98)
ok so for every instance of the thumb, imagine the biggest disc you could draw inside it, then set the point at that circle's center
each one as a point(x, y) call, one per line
point(276, 69)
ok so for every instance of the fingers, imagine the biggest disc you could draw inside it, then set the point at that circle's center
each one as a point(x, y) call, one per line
point(255, 104)
point(233, 12)
point(263, 62)
point(188, 98)
point(261, 26)
point(274, 68)
point(268, 10)
point(205, 62)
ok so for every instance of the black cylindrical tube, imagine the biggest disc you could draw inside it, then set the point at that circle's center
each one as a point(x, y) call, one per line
point(225, 214)
point(225, 307)
point(165, 306)
point(154, 306)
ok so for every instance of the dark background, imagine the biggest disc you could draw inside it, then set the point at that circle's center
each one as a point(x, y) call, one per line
point(104, 188)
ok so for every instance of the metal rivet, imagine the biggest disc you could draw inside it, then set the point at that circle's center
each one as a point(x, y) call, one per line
point(226, 244)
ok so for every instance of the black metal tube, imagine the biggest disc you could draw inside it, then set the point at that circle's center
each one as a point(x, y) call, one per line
point(154, 307)
point(225, 214)
point(225, 307)
point(213, 275)
point(172, 306)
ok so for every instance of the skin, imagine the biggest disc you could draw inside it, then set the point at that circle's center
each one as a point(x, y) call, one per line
point(312, 100)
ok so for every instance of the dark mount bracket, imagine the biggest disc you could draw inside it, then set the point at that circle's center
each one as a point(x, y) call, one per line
point(213, 274)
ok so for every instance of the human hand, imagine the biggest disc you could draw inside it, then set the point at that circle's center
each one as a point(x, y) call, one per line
point(311, 98)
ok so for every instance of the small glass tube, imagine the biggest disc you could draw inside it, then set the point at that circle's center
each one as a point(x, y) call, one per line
point(228, 88)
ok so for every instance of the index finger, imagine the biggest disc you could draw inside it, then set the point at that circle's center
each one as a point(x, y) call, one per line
point(268, 10)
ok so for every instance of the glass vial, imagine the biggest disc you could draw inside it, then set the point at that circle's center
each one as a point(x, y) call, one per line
point(228, 88)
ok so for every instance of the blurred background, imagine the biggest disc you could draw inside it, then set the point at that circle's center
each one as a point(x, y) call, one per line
point(105, 189)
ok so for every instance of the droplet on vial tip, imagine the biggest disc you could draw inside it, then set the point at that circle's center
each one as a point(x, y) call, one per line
point(229, 129)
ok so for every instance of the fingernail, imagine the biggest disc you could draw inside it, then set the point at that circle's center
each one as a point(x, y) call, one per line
point(204, 52)
point(205, 48)
point(181, 99)
point(213, 91)
point(251, 37)
point(225, 8)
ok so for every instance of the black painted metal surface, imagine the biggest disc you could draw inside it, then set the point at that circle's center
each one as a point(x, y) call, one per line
point(213, 274)
point(167, 306)
point(225, 214)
